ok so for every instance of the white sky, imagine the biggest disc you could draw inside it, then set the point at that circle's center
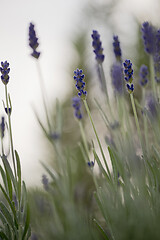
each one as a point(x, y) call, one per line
point(54, 20)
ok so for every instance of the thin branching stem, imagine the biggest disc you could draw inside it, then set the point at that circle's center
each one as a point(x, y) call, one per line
point(10, 131)
point(100, 146)
point(43, 92)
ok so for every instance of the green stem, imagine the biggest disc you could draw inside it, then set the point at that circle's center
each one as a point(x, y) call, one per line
point(153, 82)
point(136, 121)
point(104, 159)
point(84, 139)
point(145, 121)
point(104, 86)
point(10, 131)
point(43, 92)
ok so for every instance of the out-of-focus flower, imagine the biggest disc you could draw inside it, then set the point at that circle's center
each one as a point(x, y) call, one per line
point(128, 72)
point(2, 127)
point(149, 37)
point(116, 48)
point(97, 45)
point(143, 75)
point(45, 182)
point(80, 84)
point(5, 71)
point(152, 105)
point(117, 77)
point(33, 41)
point(76, 104)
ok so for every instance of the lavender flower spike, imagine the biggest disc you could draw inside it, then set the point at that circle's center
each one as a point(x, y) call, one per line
point(116, 48)
point(128, 72)
point(80, 84)
point(149, 37)
point(143, 75)
point(5, 71)
point(117, 77)
point(33, 41)
point(97, 45)
point(76, 104)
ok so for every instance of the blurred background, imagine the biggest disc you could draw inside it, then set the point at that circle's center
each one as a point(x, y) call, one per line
point(64, 28)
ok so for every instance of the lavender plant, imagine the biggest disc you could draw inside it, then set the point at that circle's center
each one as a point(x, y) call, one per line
point(14, 209)
point(126, 185)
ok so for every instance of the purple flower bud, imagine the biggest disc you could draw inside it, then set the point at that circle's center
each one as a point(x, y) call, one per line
point(128, 72)
point(116, 48)
point(33, 41)
point(5, 71)
point(80, 84)
point(97, 45)
point(117, 77)
point(76, 104)
point(152, 105)
point(2, 127)
point(149, 37)
point(143, 75)
point(45, 182)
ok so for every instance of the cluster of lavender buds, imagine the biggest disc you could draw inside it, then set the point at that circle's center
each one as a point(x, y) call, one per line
point(116, 48)
point(97, 45)
point(76, 104)
point(117, 77)
point(80, 84)
point(5, 71)
point(143, 75)
point(149, 37)
point(2, 127)
point(33, 41)
point(128, 72)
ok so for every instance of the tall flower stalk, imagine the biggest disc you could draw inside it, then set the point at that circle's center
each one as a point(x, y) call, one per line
point(33, 43)
point(5, 79)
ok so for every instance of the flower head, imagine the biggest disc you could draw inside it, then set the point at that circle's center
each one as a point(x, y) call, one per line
point(116, 48)
point(5, 71)
point(97, 45)
point(80, 84)
point(76, 104)
point(33, 41)
point(117, 77)
point(128, 72)
point(143, 75)
point(149, 37)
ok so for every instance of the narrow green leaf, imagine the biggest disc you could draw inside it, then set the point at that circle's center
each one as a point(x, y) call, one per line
point(4, 177)
point(26, 211)
point(10, 176)
point(10, 204)
point(9, 183)
point(3, 219)
point(101, 166)
point(114, 167)
point(3, 236)
point(101, 230)
point(18, 174)
point(7, 215)
point(9, 231)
